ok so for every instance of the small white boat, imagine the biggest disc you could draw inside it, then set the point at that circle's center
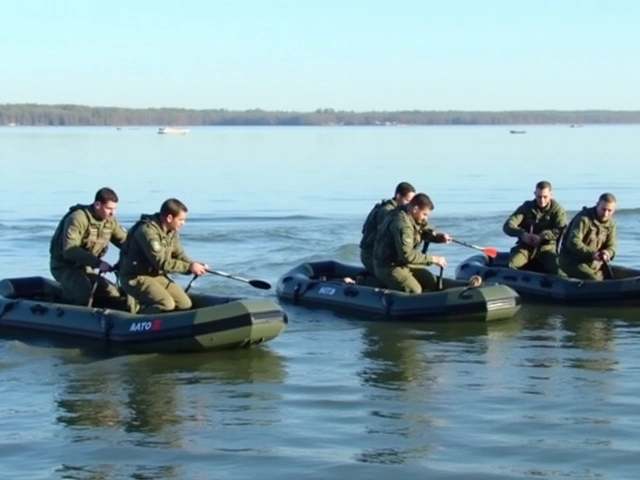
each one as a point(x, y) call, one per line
point(172, 131)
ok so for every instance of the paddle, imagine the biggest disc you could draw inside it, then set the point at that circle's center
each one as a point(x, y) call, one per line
point(93, 290)
point(440, 287)
point(488, 251)
point(535, 249)
point(609, 269)
point(261, 284)
point(189, 284)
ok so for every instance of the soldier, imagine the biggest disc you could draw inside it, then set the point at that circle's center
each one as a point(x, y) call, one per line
point(152, 250)
point(79, 243)
point(403, 195)
point(591, 239)
point(538, 225)
point(396, 261)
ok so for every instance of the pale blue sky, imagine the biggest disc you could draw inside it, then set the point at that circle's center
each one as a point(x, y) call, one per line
point(308, 54)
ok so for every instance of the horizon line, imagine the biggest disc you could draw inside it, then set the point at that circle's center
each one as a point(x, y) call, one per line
point(319, 109)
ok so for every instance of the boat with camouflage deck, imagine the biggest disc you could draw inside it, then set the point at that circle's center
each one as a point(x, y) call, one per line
point(620, 287)
point(36, 304)
point(321, 284)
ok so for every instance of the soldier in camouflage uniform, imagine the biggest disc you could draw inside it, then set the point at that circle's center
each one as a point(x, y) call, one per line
point(79, 243)
point(403, 195)
point(151, 252)
point(538, 225)
point(591, 239)
point(396, 261)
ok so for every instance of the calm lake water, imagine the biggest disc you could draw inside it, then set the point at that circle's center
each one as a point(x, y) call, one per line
point(552, 393)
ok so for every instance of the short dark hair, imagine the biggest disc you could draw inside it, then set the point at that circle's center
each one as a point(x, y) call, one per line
point(173, 207)
point(104, 195)
point(422, 201)
point(543, 185)
point(404, 188)
point(607, 198)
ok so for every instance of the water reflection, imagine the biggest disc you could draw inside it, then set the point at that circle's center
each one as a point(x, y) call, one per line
point(404, 354)
point(105, 471)
point(578, 337)
point(253, 365)
point(570, 351)
point(594, 339)
point(90, 402)
point(394, 359)
point(405, 366)
point(159, 402)
point(152, 408)
point(393, 456)
point(140, 394)
point(143, 404)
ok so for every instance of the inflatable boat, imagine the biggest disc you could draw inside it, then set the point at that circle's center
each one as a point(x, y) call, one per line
point(35, 304)
point(622, 289)
point(321, 284)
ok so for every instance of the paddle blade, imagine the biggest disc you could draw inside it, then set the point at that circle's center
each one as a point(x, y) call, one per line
point(261, 284)
point(490, 252)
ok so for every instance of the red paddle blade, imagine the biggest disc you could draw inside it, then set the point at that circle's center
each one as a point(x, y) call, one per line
point(490, 252)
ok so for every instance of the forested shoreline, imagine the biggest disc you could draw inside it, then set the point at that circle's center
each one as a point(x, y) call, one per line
point(80, 115)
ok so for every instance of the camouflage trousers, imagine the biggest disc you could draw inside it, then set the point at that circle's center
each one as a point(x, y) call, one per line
point(369, 278)
point(519, 256)
point(366, 257)
point(411, 279)
point(156, 294)
point(581, 270)
point(77, 282)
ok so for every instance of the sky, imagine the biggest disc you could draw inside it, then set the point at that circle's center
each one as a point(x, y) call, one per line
point(301, 55)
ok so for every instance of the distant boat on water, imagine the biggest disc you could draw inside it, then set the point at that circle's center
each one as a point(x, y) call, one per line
point(172, 131)
point(518, 131)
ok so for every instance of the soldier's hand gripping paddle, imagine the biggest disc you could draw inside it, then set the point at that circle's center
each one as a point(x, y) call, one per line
point(261, 284)
point(488, 251)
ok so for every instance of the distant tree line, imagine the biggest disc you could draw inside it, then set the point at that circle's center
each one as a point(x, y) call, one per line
point(79, 115)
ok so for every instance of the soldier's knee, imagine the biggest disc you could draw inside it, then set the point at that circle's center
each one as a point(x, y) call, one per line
point(411, 285)
point(424, 280)
point(163, 304)
point(166, 303)
point(182, 303)
point(588, 273)
point(518, 260)
point(580, 271)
